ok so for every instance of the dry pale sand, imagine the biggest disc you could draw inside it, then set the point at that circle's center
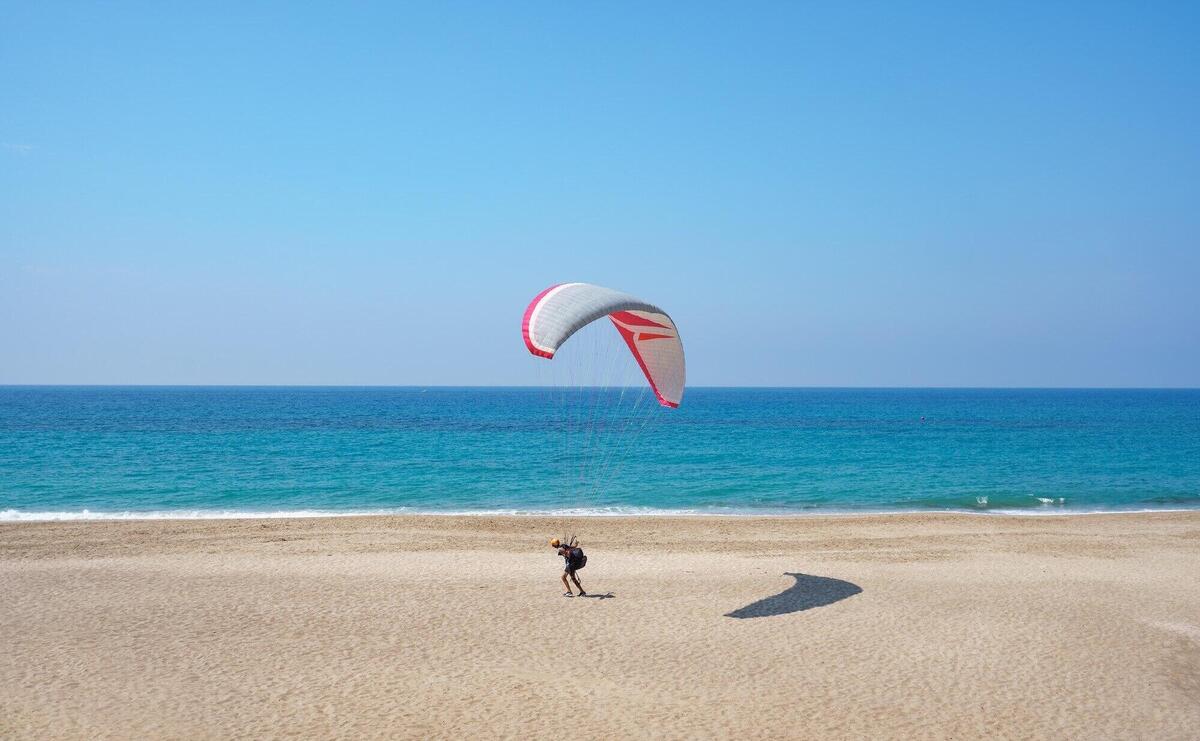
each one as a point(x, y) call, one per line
point(937, 626)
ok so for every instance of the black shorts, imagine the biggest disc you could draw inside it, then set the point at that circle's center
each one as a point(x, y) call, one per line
point(569, 569)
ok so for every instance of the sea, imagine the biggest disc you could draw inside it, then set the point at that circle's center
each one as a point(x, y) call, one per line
point(197, 452)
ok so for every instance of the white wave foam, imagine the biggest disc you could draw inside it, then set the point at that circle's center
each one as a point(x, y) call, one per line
point(1062, 512)
point(12, 515)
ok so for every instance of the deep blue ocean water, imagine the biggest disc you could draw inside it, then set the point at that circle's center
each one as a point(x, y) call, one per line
point(198, 451)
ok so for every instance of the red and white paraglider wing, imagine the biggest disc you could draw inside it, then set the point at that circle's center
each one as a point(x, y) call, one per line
point(560, 311)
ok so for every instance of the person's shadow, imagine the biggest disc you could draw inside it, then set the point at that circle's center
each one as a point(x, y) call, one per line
point(589, 595)
point(808, 592)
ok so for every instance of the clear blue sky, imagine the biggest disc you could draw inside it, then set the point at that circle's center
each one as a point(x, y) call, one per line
point(820, 193)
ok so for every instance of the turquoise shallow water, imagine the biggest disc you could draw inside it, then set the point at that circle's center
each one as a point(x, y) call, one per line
point(195, 451)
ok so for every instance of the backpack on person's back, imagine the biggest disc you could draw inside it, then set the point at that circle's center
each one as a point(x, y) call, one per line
point(578, 558)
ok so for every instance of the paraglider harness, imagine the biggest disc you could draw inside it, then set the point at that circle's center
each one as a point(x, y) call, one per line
point(576, 558)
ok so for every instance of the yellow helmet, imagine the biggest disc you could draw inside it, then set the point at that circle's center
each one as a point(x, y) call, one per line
point(555, 542)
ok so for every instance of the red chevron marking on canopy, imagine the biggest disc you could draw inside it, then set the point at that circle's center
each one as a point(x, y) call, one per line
point(627, 317)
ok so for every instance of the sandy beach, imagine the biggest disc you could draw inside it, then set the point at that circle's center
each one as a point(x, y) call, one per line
point(901, 626)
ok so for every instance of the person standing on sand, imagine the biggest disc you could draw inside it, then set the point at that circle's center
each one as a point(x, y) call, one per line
point(573, 556)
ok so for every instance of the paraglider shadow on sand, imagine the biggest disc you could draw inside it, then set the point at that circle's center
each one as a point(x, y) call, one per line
point(808, 592)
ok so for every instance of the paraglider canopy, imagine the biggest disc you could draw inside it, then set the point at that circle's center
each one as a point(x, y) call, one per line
point(562, 310)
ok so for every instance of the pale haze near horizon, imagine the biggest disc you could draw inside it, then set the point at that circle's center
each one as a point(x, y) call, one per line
point(820, 196)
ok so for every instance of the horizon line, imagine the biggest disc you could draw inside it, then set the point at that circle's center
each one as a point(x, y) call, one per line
point(534, 386)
